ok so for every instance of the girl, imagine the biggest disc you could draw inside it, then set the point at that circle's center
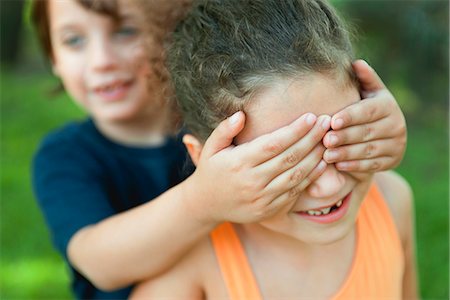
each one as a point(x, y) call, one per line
point(347, 235)
point(94, 179)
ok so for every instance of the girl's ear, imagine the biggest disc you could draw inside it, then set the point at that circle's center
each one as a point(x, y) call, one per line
point(193, 146)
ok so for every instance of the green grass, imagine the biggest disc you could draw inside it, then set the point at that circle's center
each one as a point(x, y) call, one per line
point(425, 166)
point(30, 268)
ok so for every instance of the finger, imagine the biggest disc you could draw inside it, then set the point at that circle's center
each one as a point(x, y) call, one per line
point(365, 111)
point(368, 78)
point(366, 165)
point(272, 144)
point(381, 129)
point(290, 195)
point(297, 152)
point(300, 172)
point(318, 170)
point(372, 149)
point(222, 137)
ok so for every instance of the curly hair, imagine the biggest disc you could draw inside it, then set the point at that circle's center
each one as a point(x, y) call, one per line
point(225, 51)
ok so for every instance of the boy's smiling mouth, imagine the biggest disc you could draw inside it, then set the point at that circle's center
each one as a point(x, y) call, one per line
point(329, 213)
point(114, 90)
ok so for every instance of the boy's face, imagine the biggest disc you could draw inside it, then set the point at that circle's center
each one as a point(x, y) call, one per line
point(102, 63)
point(278, 106)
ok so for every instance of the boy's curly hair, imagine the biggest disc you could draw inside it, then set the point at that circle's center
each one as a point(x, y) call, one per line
point(226, 50)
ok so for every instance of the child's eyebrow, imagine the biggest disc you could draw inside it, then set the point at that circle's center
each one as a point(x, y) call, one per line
point(127, 17)
point(63, 27)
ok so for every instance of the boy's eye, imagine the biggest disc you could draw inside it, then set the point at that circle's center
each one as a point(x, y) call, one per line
point(74, 41)
point(126, 31)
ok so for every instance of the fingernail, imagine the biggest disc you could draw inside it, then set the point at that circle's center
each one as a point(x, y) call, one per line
point(331, 155)
point(339, 123)
point(326, 122)
point(343, 165)
point(332, 139)
point(364, 62)
point(310, 119)
point(234, 118)
point(322, 164)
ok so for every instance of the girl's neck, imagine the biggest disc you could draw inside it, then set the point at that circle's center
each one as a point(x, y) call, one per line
point(139, 131)
point(254, 235)
point(318, 270)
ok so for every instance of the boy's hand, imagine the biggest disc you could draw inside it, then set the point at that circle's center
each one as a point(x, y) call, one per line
point(370, 135)
point(252, 181)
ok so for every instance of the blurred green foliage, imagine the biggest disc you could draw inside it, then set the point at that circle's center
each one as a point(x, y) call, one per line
point(405, 41)
point(407, 44)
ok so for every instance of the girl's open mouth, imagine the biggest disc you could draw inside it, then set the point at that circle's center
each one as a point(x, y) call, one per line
point(328, 214)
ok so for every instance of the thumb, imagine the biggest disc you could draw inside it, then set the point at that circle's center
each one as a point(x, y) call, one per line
point(223, 135)
point(367, 77)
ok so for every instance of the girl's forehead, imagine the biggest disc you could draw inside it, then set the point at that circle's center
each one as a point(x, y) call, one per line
point(280, 104)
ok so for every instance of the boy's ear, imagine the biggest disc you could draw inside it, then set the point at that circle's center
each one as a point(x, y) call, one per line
point(193, 146)
point(55, 70)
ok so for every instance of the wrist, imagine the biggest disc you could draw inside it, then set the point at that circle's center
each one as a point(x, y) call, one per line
point(194, 200)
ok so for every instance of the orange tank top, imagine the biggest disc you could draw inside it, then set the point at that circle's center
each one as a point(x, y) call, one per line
point(376, 271)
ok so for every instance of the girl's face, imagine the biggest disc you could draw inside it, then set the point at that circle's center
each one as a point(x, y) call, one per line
point(102, 63)
point(326, 211)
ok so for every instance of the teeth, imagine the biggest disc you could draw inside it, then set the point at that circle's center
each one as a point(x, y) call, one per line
point(112, 87)
point(325, 211)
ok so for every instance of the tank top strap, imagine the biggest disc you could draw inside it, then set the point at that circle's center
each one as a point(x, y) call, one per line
point(378, 264)
point(234, 265)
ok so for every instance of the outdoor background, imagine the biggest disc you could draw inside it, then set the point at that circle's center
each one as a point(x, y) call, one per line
point(405, 41)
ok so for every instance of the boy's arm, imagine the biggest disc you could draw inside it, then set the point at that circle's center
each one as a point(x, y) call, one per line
point(183, 281)
point(149, 239)
point(371, 134)
point(399, 198)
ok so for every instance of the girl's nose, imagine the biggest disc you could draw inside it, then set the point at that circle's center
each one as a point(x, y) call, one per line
point(328, 184)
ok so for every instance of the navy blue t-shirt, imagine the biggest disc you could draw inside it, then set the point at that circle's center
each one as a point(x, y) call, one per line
point(80, 178)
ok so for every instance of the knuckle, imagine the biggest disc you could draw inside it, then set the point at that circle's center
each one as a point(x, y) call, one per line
point(370, 150)
point(294, 192)
point(235, 167)
point(371, 112)
point(257, 186)
point(367, 132)
point(272, 147)
point(374, 166)
point(259, 210)
point(297, 175)
point(246, 189)
point(290, 159)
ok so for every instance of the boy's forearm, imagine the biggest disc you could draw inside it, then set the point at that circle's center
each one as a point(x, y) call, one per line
point(139, 243)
